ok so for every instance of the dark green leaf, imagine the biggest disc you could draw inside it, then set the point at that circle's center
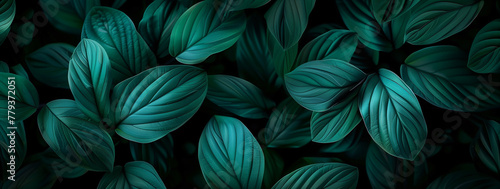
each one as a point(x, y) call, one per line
point(348, 143)
point(118, 3)
point(68, 131)
point(54, 59)
point(23, 93)
point(136, 174)
point(8, 134)
point(485, 147)
point(158, 101)
point(283, 59)
point(464, 180)
point(19, 70)
point(273, 168)
point(364, 58)
point(67, 16)
point(305, 161)
point(397, 29)
point(392, 115)
point(321, 29)
point(159, 153)
point(385, 11)
point(229, 155)
point(201, 32)
point(34, 175)
point(60, 167)
point(319, 85)
point(484, 56)
point(236, 5)
point(321, 175)
point(7, 13)
point(4, 67)
point(82, 7)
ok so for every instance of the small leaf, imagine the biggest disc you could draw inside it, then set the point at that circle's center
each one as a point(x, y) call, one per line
point(201, 32)
point(68, 131)
point(229, 155)
point(89, 79)
point(158, 101)
point(7, 13)
point(273, 168)
point(484, 56)
point(22, 92)
point(464, 180)
point(434, 20)
point(54, 59)
point(238, 96)
point(385, 11)
point(319, 85)
point(159, 153)
point(392, 115)
point(136, 174)
point(321, 175)
point(485, 147)
point(9, 133)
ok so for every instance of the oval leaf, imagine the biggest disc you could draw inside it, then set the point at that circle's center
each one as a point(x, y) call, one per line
point(236, 5)
point(229, 155)
point(158, 101)
point(321, 175)
point(334, 44)
point(464, 180)
point(7, 13)
point(392, 115)
point(67, 16)
point(23, 94)
point(485, 146)
point(136, 174)
point(283, 59)
point(54, 59)
point(69, 132)
point(319, 85)
point(385, 11)
point(484, 55)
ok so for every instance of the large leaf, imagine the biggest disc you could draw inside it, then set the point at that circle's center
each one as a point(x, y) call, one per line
point(238, 96)
point(89, 77)
point(157, 24)
point(9, 133)
point(68, 16)
point(283, 59)
point(464, 180)
point(336, 123)
point(287, 20)
point(23, 97)
point(434, 20)
point(158, 101)
point(385, 11)
point(319, 85)
point(69, 132)
point(288, 126)
point(128, 52)
point(201, 32)
point(159, 153)
point(439, 74)
point(7, 13)
point(136, 174)
point(484, 56)
point(358, 18)
point(485, 147)
point(54, 59)
point(273, 168)
point(392, 115)
point(385, 171)
point(321, 175)
point(229, 155)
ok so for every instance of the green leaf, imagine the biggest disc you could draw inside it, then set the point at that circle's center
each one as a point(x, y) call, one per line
point(115, 32)
point(60, 167)
point(485, 147)
point(484, 55)
point(321, 175)
point(253, 56)
point(67, 16)
point(319, 85)
point(334, 44)
point(318, 30)
point(4, 67)
point(439, 74)
point(273, 168)
point(7, 13)
point(433, 20)
point(346, 144)
point(238, 96)
point(385, 171)
point(336, 123)
point(136, 174)
point(89, 79)
point(392, 115)
point(54, 59)
point(358, 18)
point(23, 93)
point(287, 20)
point(83, 7)
point(68, 131)
point(288, 126)
point(237, 5)
point(8, 134)
point(157, 24)
point(158, 101)
point(201, 32)
point(385, 11)
point(159, 153)
point(19, 70)
point(283, 59)
point(396, 29)
point(364, 58)
point(34, 175)
point(118, 3)
point(464, 180)
point(229, 155)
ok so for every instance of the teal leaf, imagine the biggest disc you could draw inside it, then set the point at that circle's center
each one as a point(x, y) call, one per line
point(118, 3)
point(433, 20)
point(392, 115)
point(201, 31)
point(83, 7)
point(283, 59)
point(348, 143)
point(7, 13)
point(358, 18)
point(159, 153)
point(364, 58)
point(24, 95)
point(287, 20)
point(54, 59)
point(238, 96)
point(136, 174)
point(237, 5)
point(60, 167)
point(321, 29)
point(19, 70)
point(385, 11)
point(319, 85)
point(385, 171)
point(305, 161)
point(321, 175)
point(439, 74)
point(129, 54)
point(485, 147)
point(464, 180)
point(484, 56)
point(19, 149)
point(34, 175)
point(336, 123)
point(273, 168)
point(67, 16)
point(334, 44)
point(288, 126)
point(253, 56)
point(229, 155)
point(89, 79)
point(68, 131)
point(396, 29)
point(158, 101)
point(157, 24)
point(4, 67)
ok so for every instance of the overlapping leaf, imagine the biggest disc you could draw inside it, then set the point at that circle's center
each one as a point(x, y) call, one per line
point(23, 94)
point(236, 5)
point(334, 44)
point(485, 146)
point(464, 180)
point(321, 175)
point(136, 174)
point(7, 13)
point(348, 143)
point(484, 56)
point(283, 59)
point(54, 59)
point(385, 11)
point(68, 16)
